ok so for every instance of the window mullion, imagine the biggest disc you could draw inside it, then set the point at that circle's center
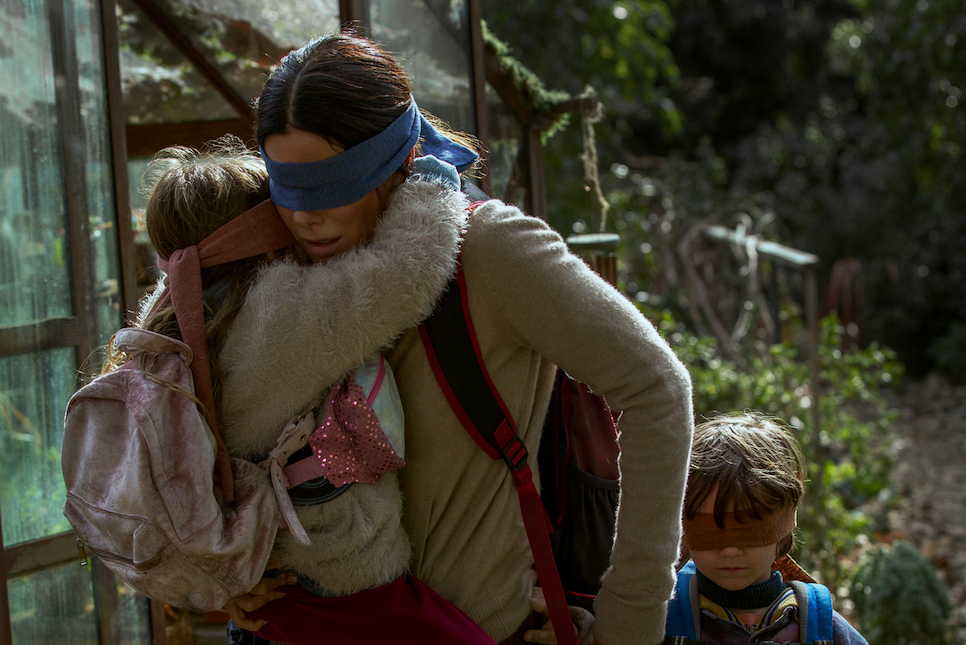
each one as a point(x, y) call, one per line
point(6, 631)
point(67, 92)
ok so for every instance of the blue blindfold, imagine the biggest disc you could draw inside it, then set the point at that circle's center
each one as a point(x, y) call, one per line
point(351, 175)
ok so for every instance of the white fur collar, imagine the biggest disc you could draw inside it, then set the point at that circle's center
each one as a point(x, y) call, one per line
point(304, 328)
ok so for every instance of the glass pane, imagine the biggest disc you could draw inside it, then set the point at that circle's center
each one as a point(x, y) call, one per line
point(506, 162)
point(46, 606)
point(53, 606)
point(240, 39)
point(35, 282)
point(34, 279)
point(432, 37)
point(159, 85)
point(276, 25)
point(34, 390)
point(99, 173)
point(133, 616)
point(146, 259)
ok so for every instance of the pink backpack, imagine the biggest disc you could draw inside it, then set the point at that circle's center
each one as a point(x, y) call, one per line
point(139, 464)
point(151, 489)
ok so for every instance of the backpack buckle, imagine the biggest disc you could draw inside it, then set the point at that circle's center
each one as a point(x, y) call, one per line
point(515, 454)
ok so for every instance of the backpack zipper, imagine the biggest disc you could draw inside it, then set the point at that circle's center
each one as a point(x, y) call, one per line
point(113, 557)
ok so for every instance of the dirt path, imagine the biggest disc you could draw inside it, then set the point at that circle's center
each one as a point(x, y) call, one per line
point(930, 476)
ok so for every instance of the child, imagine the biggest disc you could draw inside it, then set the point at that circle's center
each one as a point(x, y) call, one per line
point(351, 305)
point(746, 479)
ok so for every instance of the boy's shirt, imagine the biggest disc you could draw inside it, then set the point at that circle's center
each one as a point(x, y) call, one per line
point(779, 622)
point(753, 621)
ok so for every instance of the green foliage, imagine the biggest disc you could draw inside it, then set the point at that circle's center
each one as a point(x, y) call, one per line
point(524, 79)
point(859, 140)
point(620, 46)
point(619, 49)
point(899, 597)
point(655, 208)
point(847, 458)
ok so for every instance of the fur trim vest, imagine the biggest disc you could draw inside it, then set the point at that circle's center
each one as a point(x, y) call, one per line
point(302, 329)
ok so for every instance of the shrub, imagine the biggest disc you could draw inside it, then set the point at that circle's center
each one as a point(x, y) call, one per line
point(899, 598)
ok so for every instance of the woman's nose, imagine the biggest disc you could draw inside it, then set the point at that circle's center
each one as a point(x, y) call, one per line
point(306, 218)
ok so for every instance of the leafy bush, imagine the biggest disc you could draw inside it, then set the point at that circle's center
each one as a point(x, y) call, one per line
point(847, 457)
point(899, 598)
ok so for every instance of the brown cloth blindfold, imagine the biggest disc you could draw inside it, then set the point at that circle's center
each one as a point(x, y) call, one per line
point(701, 533)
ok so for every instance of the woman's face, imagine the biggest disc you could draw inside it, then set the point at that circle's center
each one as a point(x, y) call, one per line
point(325, 233)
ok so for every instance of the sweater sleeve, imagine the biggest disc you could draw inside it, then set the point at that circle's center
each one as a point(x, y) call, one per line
point(843, 633)
point(548, 300)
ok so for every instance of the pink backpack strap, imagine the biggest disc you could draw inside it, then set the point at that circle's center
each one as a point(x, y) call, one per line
point(256, 231)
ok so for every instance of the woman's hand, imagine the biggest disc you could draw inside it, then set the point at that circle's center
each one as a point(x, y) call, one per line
point(260, 595)
point(583, 621)
point(544, 635)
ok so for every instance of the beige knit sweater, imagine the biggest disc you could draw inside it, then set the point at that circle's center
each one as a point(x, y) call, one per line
point(534, 306)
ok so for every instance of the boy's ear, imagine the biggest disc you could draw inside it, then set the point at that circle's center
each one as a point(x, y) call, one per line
point(785, 546)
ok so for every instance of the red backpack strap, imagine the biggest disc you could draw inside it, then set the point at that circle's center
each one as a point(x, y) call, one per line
point(454, 355)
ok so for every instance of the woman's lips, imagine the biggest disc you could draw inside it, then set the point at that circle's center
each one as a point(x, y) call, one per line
point(321, 248)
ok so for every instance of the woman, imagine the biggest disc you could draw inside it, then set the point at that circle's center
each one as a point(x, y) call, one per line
point(335, 121)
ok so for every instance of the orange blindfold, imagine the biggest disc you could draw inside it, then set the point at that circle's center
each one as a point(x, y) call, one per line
point(701, 533)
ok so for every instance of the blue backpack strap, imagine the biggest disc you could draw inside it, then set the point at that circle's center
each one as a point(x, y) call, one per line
point(680, 613)
point(817, 615)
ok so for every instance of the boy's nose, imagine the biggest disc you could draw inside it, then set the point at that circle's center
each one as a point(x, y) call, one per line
point(730, 551)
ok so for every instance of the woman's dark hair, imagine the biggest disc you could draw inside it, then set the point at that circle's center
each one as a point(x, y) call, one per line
point(342, 87)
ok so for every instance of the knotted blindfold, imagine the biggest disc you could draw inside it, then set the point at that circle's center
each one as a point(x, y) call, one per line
point(254, 232)
point(702, 533)
point(351, 175)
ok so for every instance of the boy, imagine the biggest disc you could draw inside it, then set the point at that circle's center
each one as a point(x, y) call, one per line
point(745, 481)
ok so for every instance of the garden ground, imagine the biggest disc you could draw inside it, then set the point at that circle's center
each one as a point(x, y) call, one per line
point(930, 481)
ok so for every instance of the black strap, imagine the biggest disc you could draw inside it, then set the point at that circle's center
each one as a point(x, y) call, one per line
point(454, 355)
point(472, 191)
point(450, 337)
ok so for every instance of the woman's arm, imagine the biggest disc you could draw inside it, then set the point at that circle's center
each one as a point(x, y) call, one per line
point(547, 300)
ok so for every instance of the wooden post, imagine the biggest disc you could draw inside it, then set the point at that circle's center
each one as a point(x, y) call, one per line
point(6, 630)
point(601, 248)
point(122, 200)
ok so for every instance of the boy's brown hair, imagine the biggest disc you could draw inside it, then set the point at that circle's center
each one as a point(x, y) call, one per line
point(756, 464)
